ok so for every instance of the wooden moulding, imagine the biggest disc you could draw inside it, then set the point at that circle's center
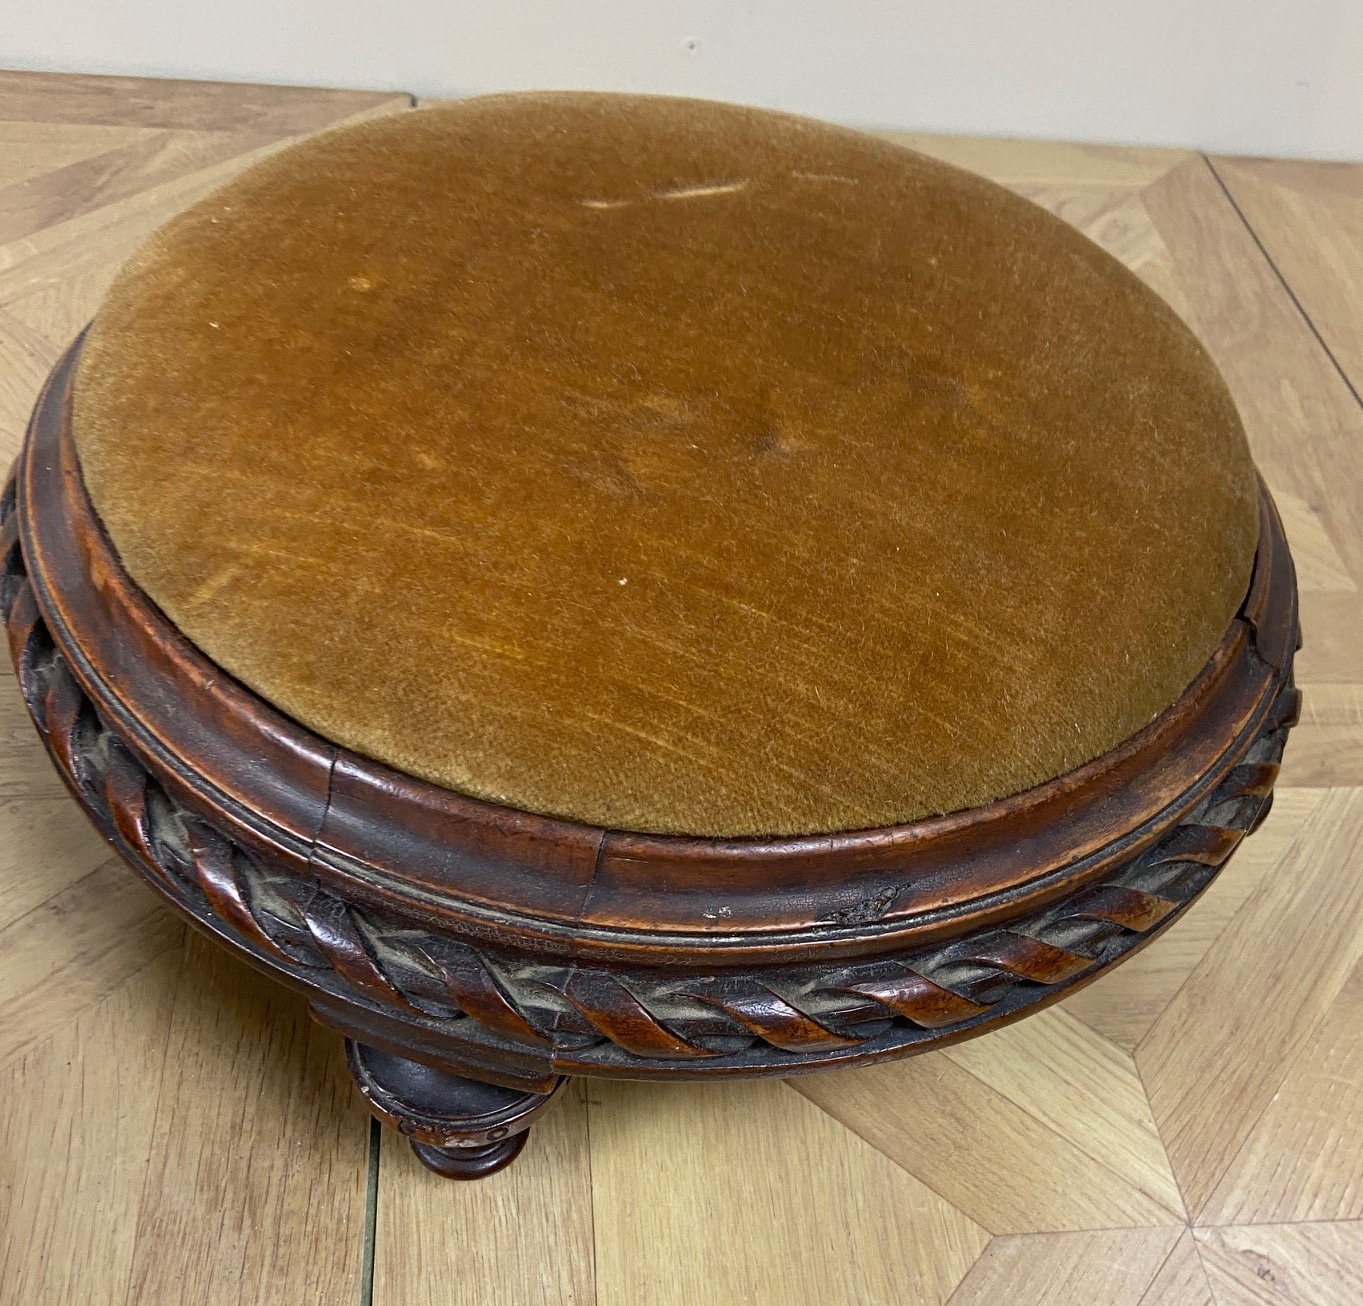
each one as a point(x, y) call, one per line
point(515, 948)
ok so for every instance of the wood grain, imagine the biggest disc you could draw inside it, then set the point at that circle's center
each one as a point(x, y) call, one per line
point(42, 852)
point(1285, 1264)
point(1218, 1053)
point(1017, 1175)
point(30, 150)
point(1087, 1090)
point(1309, 219)
point(1332, 628)
point(1332, 726)
point(1305, 426)
point(78, 1127)
point(1123, 1005)
point(829, 1219)
point(530, 1227)
point(1112, 1266)
point(75, 100)
point(1277, 1176)
point(1055, 165)
point(67, 954)
point(26, 357)
point(1181, 1280)
point(1319, 566)
point(255, 1187)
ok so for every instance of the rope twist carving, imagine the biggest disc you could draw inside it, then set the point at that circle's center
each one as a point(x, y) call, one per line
point(594, 1015)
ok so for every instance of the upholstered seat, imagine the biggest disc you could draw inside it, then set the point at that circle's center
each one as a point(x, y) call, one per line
point(667, 466)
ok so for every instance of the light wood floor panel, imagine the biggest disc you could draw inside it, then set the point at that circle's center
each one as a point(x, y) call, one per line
point(991, 1158)
point(1309, 219)
point(1319, 566)
point(126, 169)
point(1216, 1056)
point(534, 1224)
point(1063, 1074)
point(33, 151)
point(1124, 1004)
point(1330, 750)
point(78, 1126)
point(1285, 1264)
point(1305, 426)
point(26, 357)
point(682, 1215)
point(42, 852)
point(176, 1130)
point(65, 955)
point(1277, 1175)
point(1332, 625)
point(1060, 166)
point(24, 768)
point(1181, 1280)
point(77, 100)
point(255, 1189)
point(1129, 233)
point(1111, 1266)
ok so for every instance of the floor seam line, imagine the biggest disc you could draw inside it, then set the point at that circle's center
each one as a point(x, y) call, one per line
point(371, 1213)
point(1283, 281)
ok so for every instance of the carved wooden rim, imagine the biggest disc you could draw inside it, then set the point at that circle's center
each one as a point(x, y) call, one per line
point(383, 840)
point(396, 906)
point(521, 1020)
point(422, 1113)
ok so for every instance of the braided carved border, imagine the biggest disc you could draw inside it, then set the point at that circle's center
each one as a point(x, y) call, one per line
point(769, 1019)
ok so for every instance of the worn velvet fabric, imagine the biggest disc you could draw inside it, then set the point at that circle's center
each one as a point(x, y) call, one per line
point(667, 465)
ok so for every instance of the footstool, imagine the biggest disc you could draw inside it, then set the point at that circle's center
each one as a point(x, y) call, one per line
point(582, 584)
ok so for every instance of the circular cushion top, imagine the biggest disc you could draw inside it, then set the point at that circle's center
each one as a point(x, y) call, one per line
point(666, 465)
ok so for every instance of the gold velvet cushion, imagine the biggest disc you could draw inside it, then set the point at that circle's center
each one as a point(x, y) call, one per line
point(667, 465)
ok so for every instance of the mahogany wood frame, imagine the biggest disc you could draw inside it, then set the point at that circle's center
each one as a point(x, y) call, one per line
point(474, 955)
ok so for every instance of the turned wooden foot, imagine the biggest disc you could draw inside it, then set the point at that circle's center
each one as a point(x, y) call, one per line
point(460, 1128)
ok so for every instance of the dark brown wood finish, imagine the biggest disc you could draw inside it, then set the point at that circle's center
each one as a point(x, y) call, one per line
point(460, 1128)
point(511, 948)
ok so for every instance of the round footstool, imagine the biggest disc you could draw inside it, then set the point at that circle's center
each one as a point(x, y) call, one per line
point(606, 585)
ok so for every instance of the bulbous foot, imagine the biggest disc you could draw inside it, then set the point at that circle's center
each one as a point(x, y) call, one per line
point(470, 1162)
point(460, 1128)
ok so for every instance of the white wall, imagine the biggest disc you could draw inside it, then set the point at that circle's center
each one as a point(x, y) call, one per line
point(1244, 76)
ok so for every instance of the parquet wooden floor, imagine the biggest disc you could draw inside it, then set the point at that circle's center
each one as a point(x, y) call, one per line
point(1186, 1132)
